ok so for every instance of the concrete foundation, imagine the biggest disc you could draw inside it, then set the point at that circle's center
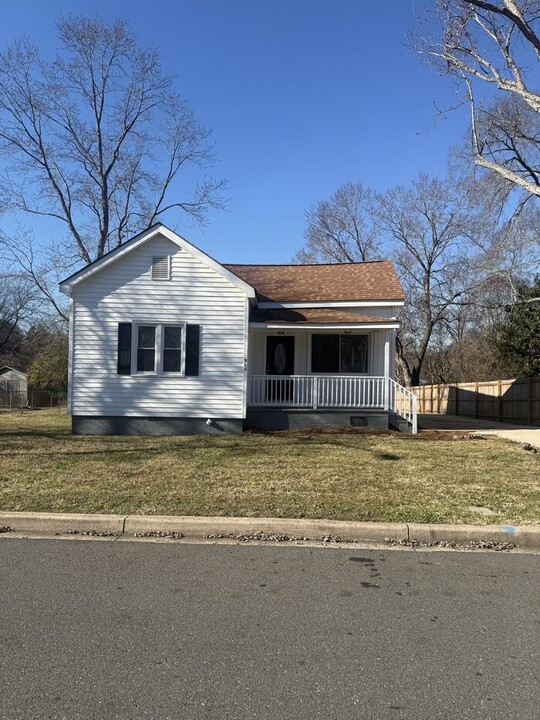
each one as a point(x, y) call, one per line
point(289, 419)
point(116, 425)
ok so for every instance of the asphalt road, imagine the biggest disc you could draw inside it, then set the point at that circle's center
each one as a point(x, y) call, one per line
point(143, 630)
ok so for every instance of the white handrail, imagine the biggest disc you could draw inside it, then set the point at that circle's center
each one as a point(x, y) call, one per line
point(404, 403)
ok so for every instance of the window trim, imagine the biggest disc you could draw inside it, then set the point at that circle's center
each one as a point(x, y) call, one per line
point(159, 348)
point(334, 374)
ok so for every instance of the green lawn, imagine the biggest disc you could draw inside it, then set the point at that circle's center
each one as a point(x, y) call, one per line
point(346, 476)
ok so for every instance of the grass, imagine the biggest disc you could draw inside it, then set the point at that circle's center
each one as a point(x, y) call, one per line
point(346, 476)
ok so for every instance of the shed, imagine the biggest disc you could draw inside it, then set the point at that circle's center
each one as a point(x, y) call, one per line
point(13, 387)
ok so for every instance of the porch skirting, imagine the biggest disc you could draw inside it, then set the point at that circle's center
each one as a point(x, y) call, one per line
point(290, 419)
point(132, 425)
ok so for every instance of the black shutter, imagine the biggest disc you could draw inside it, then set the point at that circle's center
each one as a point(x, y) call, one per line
point(124, 349)
point(193, 343)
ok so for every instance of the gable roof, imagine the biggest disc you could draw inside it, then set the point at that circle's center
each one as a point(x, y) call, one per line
point(143, 237)
point(318, 283)
point(338, 282)
point(8, 368)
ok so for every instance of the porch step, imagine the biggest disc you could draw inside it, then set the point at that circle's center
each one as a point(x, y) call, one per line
point(396, 422)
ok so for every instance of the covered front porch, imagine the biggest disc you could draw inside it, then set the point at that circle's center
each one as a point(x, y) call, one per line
point(326, 377)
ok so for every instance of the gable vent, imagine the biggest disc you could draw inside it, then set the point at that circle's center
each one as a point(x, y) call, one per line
point(161, 268)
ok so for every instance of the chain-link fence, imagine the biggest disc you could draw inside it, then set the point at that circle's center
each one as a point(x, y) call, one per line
point(14, 395)
point(46, 398)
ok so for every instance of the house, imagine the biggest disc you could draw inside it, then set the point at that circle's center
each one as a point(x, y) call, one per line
point(13, 387)
point(164, 339)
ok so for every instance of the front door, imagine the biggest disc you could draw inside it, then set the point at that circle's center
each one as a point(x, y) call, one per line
point(279, 355)
point(279, 361)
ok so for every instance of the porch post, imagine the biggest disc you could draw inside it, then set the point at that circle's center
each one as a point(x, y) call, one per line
point(386, 369)
point(314, 391)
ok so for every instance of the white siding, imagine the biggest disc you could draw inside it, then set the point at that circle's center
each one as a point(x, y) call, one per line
point(376, 352)
point(124, 292)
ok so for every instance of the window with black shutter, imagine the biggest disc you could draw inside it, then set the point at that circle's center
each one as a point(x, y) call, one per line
point(158, 348)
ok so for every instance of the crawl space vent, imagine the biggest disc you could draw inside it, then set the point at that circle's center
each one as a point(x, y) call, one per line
point(357, 421)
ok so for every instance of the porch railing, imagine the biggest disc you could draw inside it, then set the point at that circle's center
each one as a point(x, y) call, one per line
point(404, 403)
point(336, 391)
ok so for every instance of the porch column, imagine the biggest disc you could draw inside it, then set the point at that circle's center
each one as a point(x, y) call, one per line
point(387, 339)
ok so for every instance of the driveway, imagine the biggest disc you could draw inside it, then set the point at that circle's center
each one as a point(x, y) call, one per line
point(508, 431)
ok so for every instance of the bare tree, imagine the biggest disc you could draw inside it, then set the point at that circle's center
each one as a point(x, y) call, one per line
point(97, 137)
point(18, 305)
point(495, 45)
point(340, 229)
point(464, 347)
point(433, 237)
point(428, 231)
point(36, 270)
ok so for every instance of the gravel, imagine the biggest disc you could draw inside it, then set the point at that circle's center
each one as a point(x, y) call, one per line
point(170, 534)
point(473, 545)
point(274, 537)
point(246, 537)
point(92, 533)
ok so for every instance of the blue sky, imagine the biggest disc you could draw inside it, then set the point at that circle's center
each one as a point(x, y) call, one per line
point(301, 95)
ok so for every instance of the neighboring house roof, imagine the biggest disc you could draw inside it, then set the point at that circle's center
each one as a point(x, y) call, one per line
point(355, 282)
point(7, 368)
point(315, 316)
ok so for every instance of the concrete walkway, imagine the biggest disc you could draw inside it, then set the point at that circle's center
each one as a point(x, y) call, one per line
point(458, 423)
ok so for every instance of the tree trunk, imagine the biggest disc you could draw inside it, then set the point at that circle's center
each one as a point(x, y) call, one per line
point(415, 377)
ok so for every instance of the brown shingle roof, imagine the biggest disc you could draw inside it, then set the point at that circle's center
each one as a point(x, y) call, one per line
point(322, 283)
point(314, 315)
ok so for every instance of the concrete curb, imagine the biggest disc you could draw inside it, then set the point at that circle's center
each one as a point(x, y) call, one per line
point(526, 536)
point(522, 535)
point(61, 522)
point(312, 529)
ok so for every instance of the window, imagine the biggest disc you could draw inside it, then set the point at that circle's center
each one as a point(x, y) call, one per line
point(172, 348)
point(159, 348)
point(161, 268)
point(339, 353)
point(146, 348)
point(354, 353)
point(325, 353)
